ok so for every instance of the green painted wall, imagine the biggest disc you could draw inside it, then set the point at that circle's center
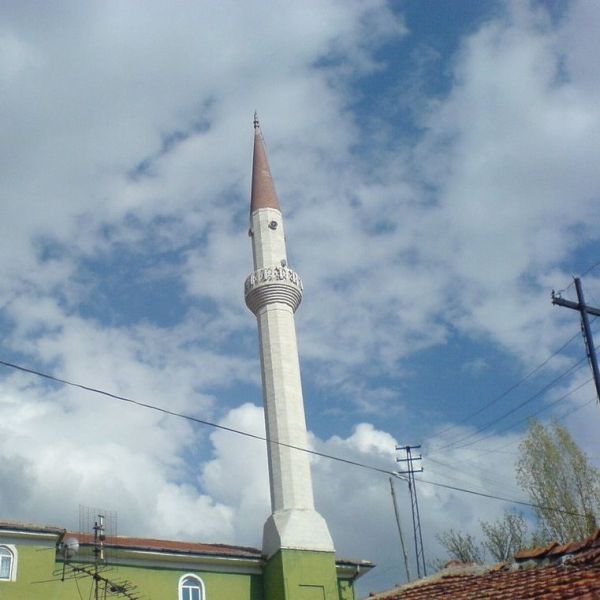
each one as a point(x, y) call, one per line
point(34, 563)
point(301, 575)
point(37, 564)
point(289, 575)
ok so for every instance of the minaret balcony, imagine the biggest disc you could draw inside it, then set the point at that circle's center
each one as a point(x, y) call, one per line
point(273, 284)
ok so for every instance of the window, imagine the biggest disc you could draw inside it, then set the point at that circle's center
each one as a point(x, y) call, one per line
point(8, 567)
point(191, 588)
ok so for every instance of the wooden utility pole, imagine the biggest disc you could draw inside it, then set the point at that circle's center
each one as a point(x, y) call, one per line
point(397, 513)
point(584, 310)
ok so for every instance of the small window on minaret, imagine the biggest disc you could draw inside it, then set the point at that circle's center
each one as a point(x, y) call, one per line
point(273, 225)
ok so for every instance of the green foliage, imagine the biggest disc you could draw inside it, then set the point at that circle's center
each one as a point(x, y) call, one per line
point(558, 477)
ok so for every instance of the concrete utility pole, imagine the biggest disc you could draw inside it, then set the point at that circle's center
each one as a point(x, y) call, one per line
point(397, 513)
point(584, 311)
point(414, 504)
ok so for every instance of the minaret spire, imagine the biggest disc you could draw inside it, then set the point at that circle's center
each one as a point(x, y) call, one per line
point(263, 189)
point(273, 293)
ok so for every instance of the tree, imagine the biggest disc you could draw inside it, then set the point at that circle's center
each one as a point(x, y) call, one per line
point(505, 536)
point(460, 546)
point(559, 478)
point(501, 539)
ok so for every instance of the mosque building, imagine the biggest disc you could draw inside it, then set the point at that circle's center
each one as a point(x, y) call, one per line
point(297, 560)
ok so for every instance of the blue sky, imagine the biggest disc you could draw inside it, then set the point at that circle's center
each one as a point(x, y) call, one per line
point(436, 163)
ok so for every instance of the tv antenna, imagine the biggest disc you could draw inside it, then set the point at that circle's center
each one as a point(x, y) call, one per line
point(104, 529)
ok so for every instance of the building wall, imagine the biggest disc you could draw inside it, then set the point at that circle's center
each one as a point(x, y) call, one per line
point(152, 584)
point(35, 563)
point(39, 577)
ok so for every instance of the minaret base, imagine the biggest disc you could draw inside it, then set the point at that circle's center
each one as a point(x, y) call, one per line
point(301, 575)
point(296, 529)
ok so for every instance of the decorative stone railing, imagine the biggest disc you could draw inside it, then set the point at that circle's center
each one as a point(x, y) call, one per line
point(273, 284)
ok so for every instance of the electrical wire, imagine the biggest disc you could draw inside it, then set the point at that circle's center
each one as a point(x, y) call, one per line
point(570, 411)
point(511, 388)
point(460, 479)
point(512, 410)
point(580, 276)
point(534, 414)
point(274, 442)
point(454, 468)
point(190, 418)
point(509, 500)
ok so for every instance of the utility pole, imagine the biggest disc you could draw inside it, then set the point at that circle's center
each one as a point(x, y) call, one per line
point(414, 504)
point(399, 528)
point(584, 311)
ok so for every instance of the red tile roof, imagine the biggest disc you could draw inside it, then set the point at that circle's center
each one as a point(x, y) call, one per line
point(164, 546)
point(153, 545)
point(30, 527)
point(135, 543)
point(554, 572)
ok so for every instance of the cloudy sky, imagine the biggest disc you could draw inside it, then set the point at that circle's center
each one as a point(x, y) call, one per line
point(437, 165)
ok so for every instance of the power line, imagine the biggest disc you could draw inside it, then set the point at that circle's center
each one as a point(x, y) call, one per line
point(512, 410)
point(459, 479)
point(511, 501)
point(581, 275)
point(510, 389)
point(506, 392)
point(190, 418)
point(269, 441)
point(571, 410)
point(465, 473)
point(533, 414)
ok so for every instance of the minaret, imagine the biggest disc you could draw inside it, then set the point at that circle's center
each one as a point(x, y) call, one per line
point(295, 533)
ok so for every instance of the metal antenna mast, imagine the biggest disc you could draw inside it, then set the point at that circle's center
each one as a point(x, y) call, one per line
point(99, 537)
point(584, 311)
point(414, 504)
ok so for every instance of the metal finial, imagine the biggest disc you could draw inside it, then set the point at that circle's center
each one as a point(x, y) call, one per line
point(256, 123)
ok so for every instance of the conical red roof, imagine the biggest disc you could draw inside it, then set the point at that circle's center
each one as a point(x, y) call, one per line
point(263, 189)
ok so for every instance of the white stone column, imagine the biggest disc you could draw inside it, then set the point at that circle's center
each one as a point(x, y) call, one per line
point(273, 293)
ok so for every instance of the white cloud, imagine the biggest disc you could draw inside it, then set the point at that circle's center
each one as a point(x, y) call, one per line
point(129, 136)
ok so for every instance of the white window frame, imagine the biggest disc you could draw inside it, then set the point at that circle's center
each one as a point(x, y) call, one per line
point(12, 576)
point(195, 578)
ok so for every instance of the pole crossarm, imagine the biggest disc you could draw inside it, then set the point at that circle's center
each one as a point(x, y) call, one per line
point(590, 310)
point(584, 311)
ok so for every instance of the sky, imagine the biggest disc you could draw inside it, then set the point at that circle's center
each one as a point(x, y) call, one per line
point(437, 167)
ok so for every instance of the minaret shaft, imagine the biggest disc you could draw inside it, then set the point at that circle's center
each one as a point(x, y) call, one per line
point(291, 485)
point(273, 293)
point(268, 238)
